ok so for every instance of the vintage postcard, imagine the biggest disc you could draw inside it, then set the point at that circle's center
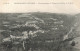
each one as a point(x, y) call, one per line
point(39, 25)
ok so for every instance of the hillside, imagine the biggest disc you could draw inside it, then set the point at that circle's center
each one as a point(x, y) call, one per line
point(54, 25)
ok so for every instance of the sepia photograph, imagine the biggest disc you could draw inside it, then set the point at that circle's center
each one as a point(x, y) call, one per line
point(46, 25)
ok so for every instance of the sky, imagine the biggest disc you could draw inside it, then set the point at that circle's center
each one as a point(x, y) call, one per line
point(53, 6)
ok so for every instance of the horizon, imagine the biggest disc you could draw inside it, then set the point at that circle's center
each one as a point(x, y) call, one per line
point(10, 6)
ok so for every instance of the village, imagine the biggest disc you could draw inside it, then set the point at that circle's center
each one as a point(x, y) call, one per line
point(39, 32)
